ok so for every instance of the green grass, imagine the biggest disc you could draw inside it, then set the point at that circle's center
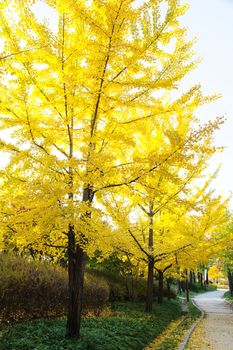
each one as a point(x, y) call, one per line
point(229, 297)
point(194, 312)
point(174, 338)
point(207, 288)
point(199, 290)
point(128, 328)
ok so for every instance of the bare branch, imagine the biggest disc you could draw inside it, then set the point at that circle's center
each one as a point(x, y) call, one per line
point(20, 52)
point(138, 243)
point(145, 211)
point(55, 246)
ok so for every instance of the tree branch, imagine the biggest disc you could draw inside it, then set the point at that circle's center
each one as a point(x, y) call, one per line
point(138, 243)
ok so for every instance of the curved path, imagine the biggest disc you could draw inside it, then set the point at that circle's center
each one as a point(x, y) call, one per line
point(215, 331)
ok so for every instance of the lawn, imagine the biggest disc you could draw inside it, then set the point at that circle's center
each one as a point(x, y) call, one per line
point(229, 297)
point(128, 327)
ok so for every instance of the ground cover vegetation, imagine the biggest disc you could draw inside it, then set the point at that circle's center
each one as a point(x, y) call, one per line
point(229, 297)
point(37, 289)
point(173, 335)
point(106, 153)
point(126, 327)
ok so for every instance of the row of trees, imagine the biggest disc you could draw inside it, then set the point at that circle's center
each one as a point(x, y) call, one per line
point(226, 257)
point(104, 156)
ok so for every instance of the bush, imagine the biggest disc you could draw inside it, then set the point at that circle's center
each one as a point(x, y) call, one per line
point(228, 296)
point(128, 288)
point(96, 294)
point(197, 288)
point(30, 289)
point(116, 283)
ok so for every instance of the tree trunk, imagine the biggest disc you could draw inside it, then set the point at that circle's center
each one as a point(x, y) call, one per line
point(76, 267)
point(150, 275)
point(179, 287)
point(160, 289)
point(191, 280)
point(168, 289)
point(182, 283)
point(187, 286)
point(149, 294)
point(201, 280)
point(76, 264)
point(194, 277)
point(207, 277)
point(230, 281)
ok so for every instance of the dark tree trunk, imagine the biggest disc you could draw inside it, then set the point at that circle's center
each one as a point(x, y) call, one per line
point(198, 278)
point(182, 283)
point(168, 289)
point(76, 265)
point(191, 280)
point(151, 262)
point(186, 285)
point(207, 277)
point(179, 287)
point(230, 281)
point(160, 289)
point(194, 277)
point(149, 294)
point(201, 280)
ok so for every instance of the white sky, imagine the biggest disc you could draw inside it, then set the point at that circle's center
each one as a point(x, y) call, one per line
point(211, 21)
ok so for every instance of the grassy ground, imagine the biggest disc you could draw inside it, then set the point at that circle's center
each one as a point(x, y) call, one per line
point(209, 288)
point(128, 327)
point(173, 335)
point(229, 297)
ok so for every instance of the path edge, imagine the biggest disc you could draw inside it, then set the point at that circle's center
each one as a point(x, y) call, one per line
point(192, 328)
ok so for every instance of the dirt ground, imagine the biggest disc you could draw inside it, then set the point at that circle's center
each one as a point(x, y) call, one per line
point(215, 331)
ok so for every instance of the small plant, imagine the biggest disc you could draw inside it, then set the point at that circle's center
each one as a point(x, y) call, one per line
point(229, 297)
point(127, 328)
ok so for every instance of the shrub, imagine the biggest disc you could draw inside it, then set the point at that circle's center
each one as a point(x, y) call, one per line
point(116, 283)
point(96, 293)
point(128, 288)
point(30, 289)
point(197, 288)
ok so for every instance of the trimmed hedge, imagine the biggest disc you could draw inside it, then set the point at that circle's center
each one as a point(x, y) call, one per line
point(30, 289)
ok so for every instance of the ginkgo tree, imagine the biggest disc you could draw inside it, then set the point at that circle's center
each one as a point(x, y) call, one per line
point(179, 226)
point(74, 99)
point(169, 192)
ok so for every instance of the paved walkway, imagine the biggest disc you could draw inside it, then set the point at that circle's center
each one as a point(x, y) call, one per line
point(215, 331)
